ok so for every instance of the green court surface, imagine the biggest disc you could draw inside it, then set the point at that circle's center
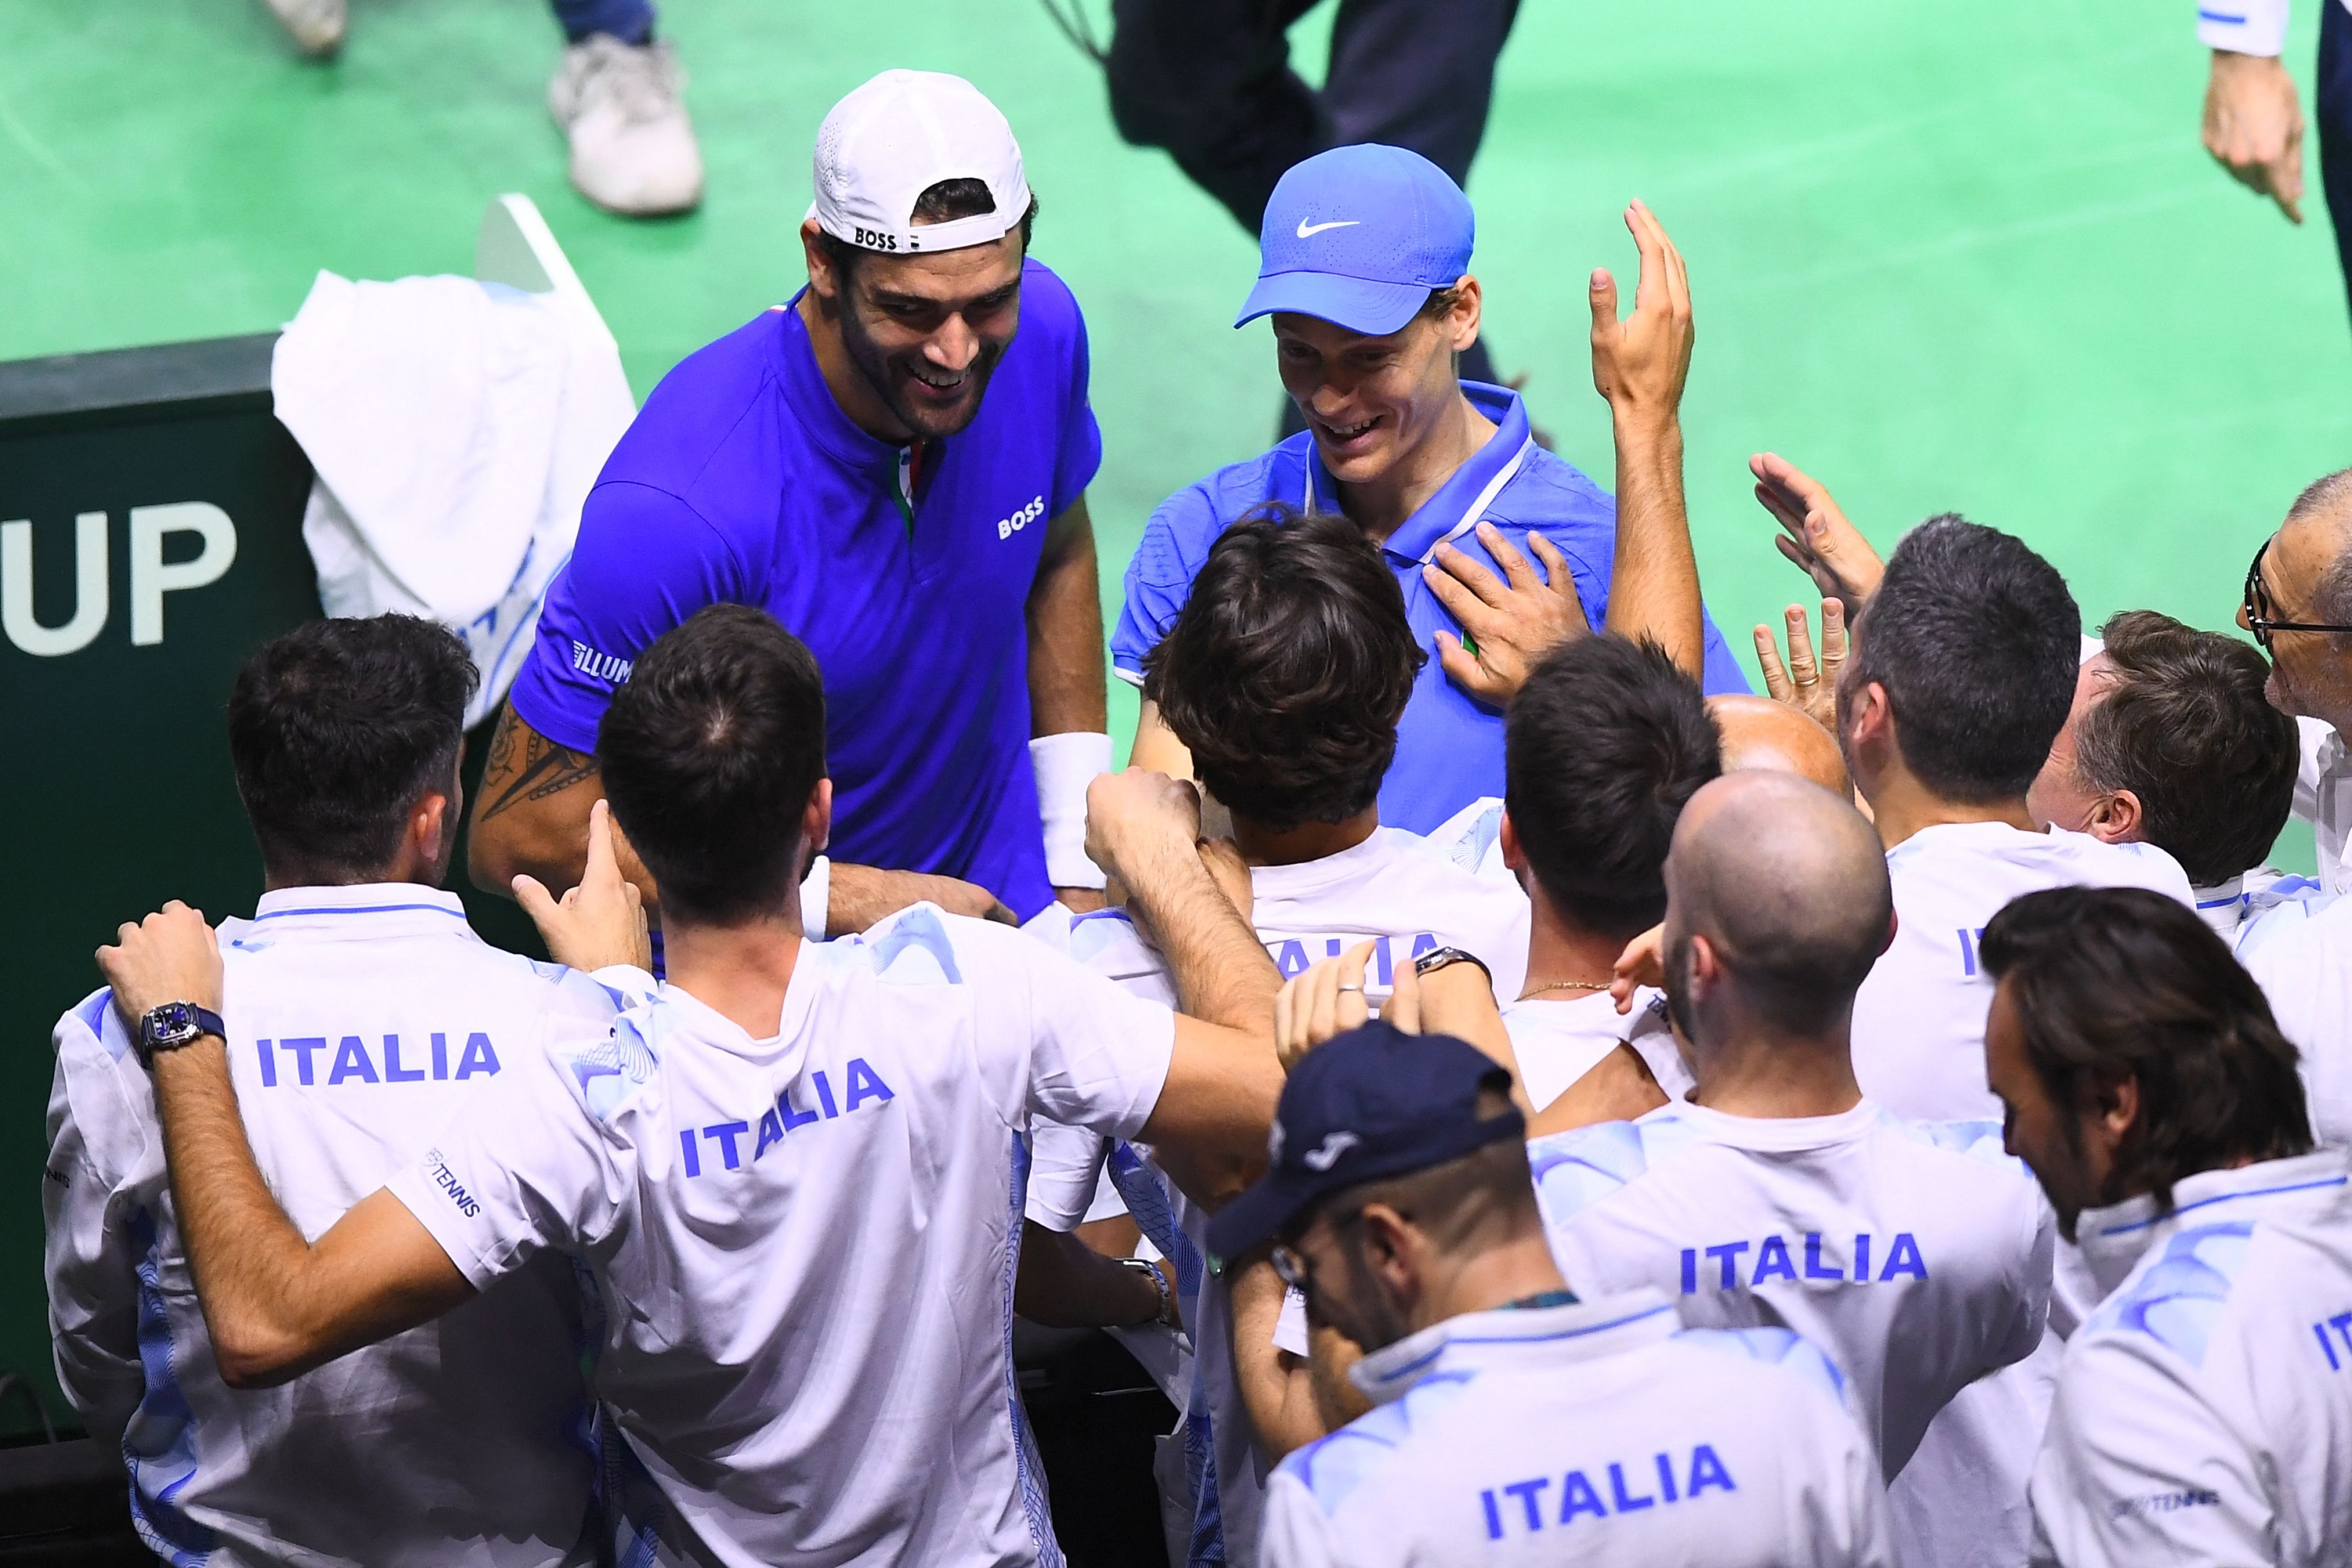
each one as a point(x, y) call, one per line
point(1948, 258)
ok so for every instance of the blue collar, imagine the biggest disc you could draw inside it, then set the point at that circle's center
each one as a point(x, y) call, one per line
point(1462, 500)
point(2114, 1238)
point(1525, 1337)
point(816, 409)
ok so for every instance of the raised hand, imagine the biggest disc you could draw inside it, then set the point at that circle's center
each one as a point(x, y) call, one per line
point(1807, 683)
point(602, 921)
point(1512, 621)
point(1641, 363)
point(1815, 536)
point(1135, 810)
point(170, 956)
point(1644, 962)
point(1327, 999)
point(2253, 127)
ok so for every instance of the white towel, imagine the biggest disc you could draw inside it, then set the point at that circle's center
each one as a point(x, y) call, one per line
point(456, 427)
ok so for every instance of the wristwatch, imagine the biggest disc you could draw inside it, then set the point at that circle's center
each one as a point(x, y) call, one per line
point(173, 1024)
point(1166, 1316)
point(1446, 958)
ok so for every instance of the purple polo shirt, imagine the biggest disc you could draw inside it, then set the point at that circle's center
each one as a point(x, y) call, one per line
point(742, 481)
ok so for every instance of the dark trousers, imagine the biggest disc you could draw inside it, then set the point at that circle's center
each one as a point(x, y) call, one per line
point(1210, 82)
point(2331, 108)
point(631, 21)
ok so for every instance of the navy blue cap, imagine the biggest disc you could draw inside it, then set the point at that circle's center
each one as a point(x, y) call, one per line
point(1358, 236)
point(1370, 1103)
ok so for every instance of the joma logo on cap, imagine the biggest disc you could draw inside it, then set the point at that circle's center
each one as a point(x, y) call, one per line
point(1326, 1154)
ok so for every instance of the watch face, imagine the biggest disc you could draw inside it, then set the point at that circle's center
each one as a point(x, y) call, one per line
point(171, 1022)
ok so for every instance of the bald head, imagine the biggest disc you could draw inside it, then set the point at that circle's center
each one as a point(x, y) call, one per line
point(1759, 732)
point(2315, 545)
point(1786, 885)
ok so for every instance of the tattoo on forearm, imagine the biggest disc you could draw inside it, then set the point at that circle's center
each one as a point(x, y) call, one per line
point(546, 769)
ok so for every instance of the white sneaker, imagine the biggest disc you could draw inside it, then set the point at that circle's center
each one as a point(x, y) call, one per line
point(633, 148)
point(315, 26)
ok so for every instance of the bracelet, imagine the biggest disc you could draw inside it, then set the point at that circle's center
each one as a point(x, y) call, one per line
point(1166, 1316)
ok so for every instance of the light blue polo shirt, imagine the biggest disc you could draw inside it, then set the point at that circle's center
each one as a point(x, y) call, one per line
point(1449, 745)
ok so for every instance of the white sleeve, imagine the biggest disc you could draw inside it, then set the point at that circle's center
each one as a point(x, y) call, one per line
point(1869, 1538)
point(2243, 27)
point(92, 1251)
point(1066, 1167)
point(523, 1167)
point(2308, 983)
point(1293, 1532)
point(2033, 1279)
point(2137, 1470)
point(1059, 1042)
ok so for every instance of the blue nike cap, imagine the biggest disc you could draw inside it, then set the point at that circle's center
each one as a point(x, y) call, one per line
point(1370, 1103)
point(1358, 236)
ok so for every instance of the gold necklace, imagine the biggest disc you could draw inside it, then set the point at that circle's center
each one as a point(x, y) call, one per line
point(1563, 985)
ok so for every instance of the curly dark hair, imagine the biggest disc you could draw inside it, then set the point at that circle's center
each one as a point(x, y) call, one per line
point(1287, 669)
point(335, 729)
point(2123, 981)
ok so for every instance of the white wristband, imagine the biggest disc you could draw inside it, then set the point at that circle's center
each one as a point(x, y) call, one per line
point(2243, 27)
point(1065, 765)
point(816, 890)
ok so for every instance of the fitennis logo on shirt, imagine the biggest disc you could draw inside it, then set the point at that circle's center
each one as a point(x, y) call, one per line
point(1007, 527)
point(446, 1180)
point(598, 665)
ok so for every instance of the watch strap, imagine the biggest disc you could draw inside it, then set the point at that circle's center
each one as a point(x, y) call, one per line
point(187, 1023)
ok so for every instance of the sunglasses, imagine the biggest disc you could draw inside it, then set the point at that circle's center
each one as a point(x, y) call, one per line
point(2261, 614)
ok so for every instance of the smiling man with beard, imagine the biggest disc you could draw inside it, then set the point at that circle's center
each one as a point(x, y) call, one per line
point(889, 468)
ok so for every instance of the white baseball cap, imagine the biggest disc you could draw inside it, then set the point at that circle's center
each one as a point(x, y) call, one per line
point(895, 137)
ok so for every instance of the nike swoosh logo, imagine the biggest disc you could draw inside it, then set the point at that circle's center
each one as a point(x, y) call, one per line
point(1306, 229)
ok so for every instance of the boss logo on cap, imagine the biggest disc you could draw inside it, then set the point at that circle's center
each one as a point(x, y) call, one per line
point(875, 239)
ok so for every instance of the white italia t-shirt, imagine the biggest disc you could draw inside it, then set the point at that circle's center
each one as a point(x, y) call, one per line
point(1560, 1040)
point(807, 1241)
point(1597, 1433)
point(360, 1020)
point(1391, 889)
point(1919, 1018)
point(2204, 1413)
point(1918, 1257)
point(2306, 972)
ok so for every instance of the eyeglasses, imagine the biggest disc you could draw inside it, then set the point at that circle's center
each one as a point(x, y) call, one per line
point(1291, 1268)
point(2258, 608)
point(1290, 1264)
